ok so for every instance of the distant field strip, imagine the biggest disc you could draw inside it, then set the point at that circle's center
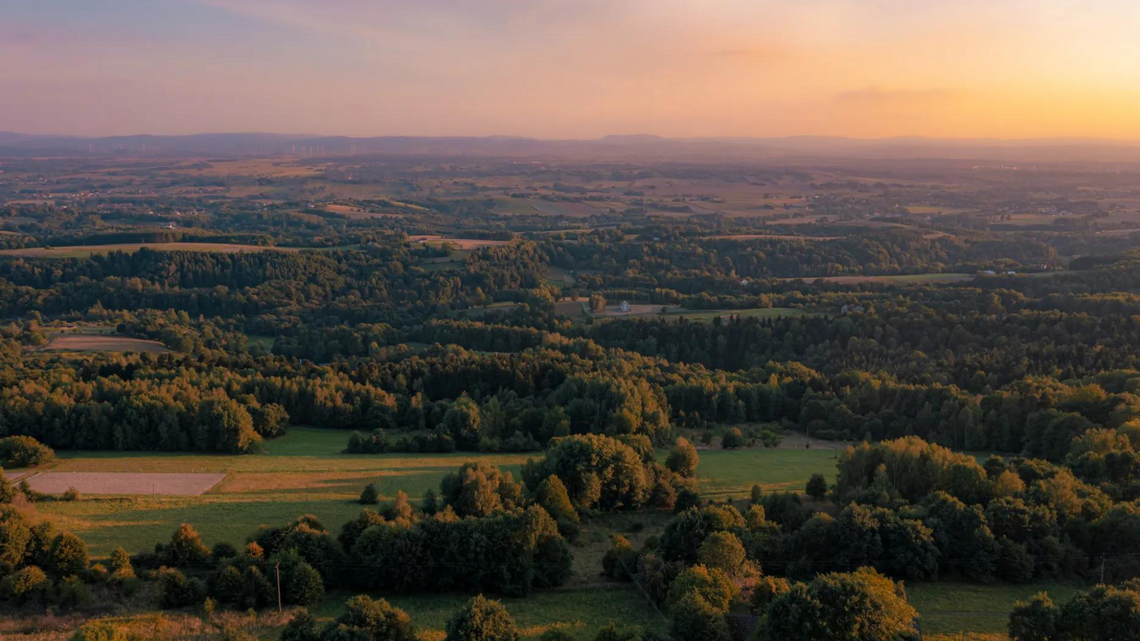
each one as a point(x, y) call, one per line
point(80, 251)
point(103, 343)
point(166, 484)
point(896, 279)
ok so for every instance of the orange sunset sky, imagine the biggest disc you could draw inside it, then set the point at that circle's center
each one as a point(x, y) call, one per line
point(573, 68)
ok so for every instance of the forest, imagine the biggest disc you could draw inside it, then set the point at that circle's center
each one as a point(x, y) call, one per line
point(572, 386)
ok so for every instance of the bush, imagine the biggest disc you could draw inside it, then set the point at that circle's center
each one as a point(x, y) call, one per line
point(25, 585)
point(375, 620)
point(23, 451)
point(67, 555)
point(99, 631)
point(303, 627)
point(369, 496)
point(71, 494)
point(620, 561)
point(482, 619)
point(302, 584)
point(552, 496)
point(732, 439)
point(695, 619)
point(683, 459)
point(185, 549)
point(176, 591)
point(817, 487)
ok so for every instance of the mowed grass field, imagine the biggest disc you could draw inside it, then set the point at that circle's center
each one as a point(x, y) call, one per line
point(980, 612)
point(730, 474)
point(580, 612)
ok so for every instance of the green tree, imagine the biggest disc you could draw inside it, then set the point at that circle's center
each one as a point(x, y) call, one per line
point(552, 496)
point(817, 487)
point(723, 551)
point(857, 606)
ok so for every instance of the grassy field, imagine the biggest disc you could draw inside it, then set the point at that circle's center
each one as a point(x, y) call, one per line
point(581, 612)
point(899, 279)
point(674, 313)
point(302, 472)
point(759, 312)
point(732, 473)
point(952, 610)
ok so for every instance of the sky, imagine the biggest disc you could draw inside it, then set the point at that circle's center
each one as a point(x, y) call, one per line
point(573, 68)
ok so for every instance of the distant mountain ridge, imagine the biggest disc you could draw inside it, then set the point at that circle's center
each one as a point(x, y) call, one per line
point(614, 147)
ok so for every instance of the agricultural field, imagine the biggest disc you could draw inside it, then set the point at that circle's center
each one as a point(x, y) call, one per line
point(900, 279)
point(88, 250)
point(303, 472)
point(951, 611)
point(103, 343)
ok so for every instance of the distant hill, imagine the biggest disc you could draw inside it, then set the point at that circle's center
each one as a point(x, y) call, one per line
point(617, 147)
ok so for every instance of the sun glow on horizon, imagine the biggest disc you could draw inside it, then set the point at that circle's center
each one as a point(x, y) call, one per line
point(574, 68)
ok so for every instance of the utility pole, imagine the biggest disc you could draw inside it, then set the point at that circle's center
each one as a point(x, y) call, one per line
point(277, 567)
point(1102, 569)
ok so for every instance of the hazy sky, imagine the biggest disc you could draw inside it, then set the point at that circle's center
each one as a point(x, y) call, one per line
point(573, 68)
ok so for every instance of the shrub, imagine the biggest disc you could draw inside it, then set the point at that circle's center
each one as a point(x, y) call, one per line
point(302, 584)
point(732, 439)
point(620, 561)
point(303, 627)
point(552, 496)
point(176, 591)
point(482, 619)
point(99, 631)
point(25, 585)
point(67, 555)
point(23, 451)
point(695, 619)
point(369, 496)
point(683, 459)
point(375, 620)
point(817, 487)
point(186, 548)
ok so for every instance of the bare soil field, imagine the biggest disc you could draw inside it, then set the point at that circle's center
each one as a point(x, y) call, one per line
point(167, 484)
point(103, 343)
